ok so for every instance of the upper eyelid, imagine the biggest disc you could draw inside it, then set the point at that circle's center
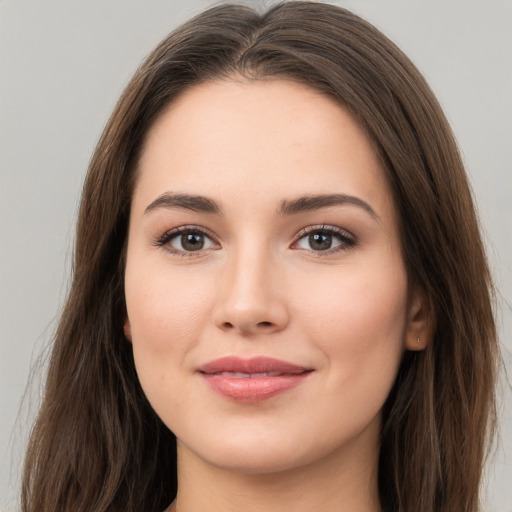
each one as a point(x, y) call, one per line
point(324, 227)
point(348, 240)
point(191, 228)
point(171, 233)
point(164, 239)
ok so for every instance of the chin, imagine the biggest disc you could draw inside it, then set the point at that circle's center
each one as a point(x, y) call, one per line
point(266, 451)
point(253, 460)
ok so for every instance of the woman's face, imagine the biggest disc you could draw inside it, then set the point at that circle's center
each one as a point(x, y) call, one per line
point(267, 298)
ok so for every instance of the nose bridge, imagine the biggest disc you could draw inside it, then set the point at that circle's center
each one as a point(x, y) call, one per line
point(250, 300)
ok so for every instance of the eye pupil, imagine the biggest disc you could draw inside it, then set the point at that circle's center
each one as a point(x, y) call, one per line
point(320, 241)
point(192, 241)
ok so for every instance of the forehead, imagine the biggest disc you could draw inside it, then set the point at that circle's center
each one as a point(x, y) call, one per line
point(263, 139)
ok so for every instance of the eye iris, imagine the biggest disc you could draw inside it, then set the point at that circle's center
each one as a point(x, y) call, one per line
point(320, 241)
point(192, 241)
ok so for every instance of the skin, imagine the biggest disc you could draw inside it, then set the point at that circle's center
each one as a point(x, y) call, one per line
point(258, 287)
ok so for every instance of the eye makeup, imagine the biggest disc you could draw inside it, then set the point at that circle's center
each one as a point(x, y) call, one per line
point(193, 240)
point(324, 239)
point(187, 241)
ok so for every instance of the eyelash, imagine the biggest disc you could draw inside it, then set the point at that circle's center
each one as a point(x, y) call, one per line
point(347, 240)
point(168, 236)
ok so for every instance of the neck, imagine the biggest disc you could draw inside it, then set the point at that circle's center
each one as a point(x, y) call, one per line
point(344, 480)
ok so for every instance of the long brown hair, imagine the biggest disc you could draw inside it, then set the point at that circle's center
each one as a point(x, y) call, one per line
point(98, 445)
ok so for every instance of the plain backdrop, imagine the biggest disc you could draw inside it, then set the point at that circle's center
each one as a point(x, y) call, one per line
point(62, 66)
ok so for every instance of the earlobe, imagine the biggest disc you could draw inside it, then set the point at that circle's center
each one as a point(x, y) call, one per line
point(127, 330)
point(419, 325)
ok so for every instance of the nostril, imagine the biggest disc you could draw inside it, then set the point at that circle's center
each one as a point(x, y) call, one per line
point(265, 324)
point(227, 325)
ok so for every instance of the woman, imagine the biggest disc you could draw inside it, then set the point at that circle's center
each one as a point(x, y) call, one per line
point(280, 296)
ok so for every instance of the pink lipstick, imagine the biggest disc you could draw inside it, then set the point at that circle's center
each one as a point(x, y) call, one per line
point(252, 380)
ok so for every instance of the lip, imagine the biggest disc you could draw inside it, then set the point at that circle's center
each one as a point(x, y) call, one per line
point(252, 380)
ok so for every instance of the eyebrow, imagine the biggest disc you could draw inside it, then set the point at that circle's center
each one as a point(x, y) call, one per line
point(309, 203)
point(186, 201)
point(203, 204)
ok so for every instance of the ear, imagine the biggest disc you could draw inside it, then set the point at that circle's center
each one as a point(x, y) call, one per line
point(127, 330)
point(419, 322)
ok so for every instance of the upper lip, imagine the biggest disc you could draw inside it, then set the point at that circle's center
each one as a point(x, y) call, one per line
point(259, 364)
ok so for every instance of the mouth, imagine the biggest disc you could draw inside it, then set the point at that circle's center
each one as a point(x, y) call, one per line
point(252, 380)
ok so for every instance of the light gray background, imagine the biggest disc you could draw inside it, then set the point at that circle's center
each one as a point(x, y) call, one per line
point(62, 66)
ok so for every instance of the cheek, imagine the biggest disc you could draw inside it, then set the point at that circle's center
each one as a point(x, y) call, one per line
point(166, 312)
point(358, 321)
point(162, 306)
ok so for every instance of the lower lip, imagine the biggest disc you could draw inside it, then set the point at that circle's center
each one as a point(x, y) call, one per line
point(252, 390)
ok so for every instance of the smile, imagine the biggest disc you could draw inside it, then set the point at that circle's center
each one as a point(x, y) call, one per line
point(240, 375)
point(252, 380)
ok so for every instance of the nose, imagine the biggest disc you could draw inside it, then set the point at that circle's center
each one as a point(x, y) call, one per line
point(251, 296)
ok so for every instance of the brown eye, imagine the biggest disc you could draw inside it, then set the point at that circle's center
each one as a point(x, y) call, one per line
point(188, 241)
point(192, 241)
point(325, 239)
point(320, 241)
